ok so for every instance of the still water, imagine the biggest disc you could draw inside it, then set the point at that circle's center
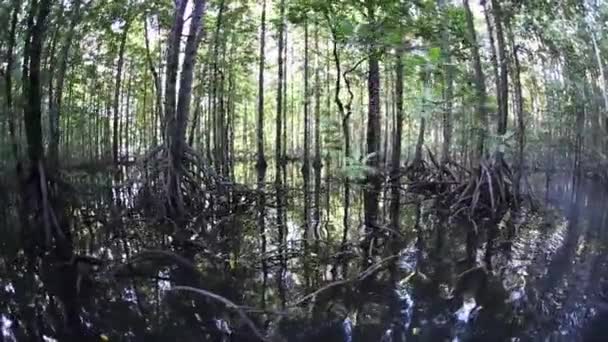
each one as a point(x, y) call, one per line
point(298, 279)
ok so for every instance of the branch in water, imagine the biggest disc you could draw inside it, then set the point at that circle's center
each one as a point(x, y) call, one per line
point(226, 302)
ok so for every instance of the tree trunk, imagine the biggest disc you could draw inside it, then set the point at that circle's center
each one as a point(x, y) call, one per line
point(177, 139)
point(127, 114)
point(396, 155)
point(119, 67)
point(372, 190)
point(32, 91)
point(157, 85)
point(279, 122)
point(317, 161)
point(172, 66)
point(480, 88)
point(503, 90)
point(55, 103)
point(261, 159)
point(306, 161)
point(448, 84)
point(218, 90)
point(420, 141)
point(9, 82)
point(519, 109)
point(282, 234)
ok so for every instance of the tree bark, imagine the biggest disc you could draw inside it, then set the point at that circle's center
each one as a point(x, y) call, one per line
point(172, 66)
point(480, 88)
point(55, 110)
point(279, 162)
point(280, 104)
point(261, 159)
point(317, 161)
point(448, 84)
point(396, 153)
point(32, 118)
point(503, 90)
point(519, 109)
point(119, 67)
point(372, 190)
point(9, 81)
point(157, 85)
point(178, 126)
point(218, 97)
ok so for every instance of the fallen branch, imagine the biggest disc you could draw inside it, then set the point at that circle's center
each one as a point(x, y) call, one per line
point(366, 273)
point(226, 302)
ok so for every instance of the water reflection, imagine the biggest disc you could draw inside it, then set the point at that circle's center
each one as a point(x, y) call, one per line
point(540, 280)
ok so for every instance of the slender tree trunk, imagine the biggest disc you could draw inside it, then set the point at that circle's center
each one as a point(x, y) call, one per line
point(372, 190)
point(55, 103)
point(172, 66)
point(171, 69)
point(282, 234)
point(447, 85)
point(157, 86)
point(306, 157)
point(33, 96)
point(286, 75)
point(119, 67)
point(127, 119)
point(195, 119)
point(317, 165)
point(503, 91)
point(218, 90)
point(345, 114)
point(396, 155)
point(9, 82)
point(261, 160)
point(279, 122)
point(519, 109)
point(420, 141)
point(480, 87)
point(178, 135)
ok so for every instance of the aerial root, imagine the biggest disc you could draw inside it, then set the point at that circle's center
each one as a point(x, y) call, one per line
point(486, 191)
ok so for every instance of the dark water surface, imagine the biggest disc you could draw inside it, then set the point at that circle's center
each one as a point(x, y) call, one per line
point(543, 278)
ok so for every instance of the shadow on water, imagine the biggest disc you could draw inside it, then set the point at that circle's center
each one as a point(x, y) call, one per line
point(541, 278)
